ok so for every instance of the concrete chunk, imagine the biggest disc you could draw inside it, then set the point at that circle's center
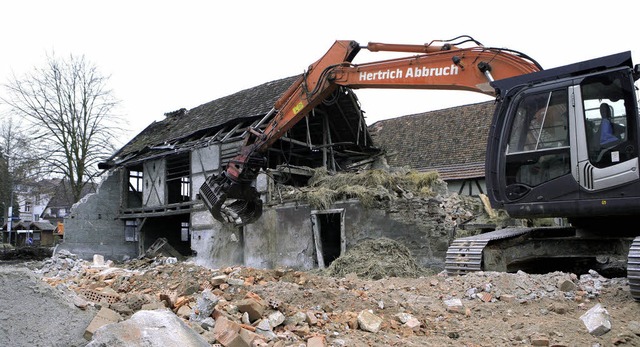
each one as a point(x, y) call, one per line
point(566, 285)
point(597, 320)
point(316, 341)
point(454, 305)
point(226, 332)
point(218, 280)
point(148, 328)
point(276, 318)
point(98, 260)
point(368, 321)
point(105, 316)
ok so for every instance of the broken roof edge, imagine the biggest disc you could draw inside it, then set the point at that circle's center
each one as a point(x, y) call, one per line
point(108, 163)
point(163, 149)
point(253, 101)
point(458, 171)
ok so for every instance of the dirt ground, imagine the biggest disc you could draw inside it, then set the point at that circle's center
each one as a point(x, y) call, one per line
point(46, 303)
point(33, 313)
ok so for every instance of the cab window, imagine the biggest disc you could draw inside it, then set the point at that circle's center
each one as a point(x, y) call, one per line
point(538, 148)
point(608, 104)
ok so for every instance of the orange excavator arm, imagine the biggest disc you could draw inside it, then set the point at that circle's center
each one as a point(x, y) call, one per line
point(437, 65)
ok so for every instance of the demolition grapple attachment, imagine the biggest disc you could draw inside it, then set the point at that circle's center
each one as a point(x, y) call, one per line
point(231, 201)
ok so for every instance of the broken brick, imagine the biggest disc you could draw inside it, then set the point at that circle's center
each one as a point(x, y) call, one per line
point(103, 317)
point(253, 307)
point(316, 341)
point(226, 331)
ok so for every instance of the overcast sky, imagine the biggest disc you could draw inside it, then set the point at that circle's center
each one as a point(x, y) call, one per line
point(166, 55)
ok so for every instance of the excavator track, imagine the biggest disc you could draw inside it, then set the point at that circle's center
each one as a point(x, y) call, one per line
point(546, 249)
point(633, 269)
point(465, 254)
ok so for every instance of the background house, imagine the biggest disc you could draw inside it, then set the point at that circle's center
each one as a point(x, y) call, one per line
point(33, 196)
point(451, 141)
point(41, 233)
point(43, 206)
point(59, 205)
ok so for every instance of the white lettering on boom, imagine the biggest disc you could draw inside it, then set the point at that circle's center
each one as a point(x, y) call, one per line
point(433, 71)
point(411, 72)
point(381, 75)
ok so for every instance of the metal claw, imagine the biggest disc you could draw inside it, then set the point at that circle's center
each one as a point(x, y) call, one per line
point(243, 207)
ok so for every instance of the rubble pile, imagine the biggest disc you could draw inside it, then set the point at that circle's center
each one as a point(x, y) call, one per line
point(373, 188)
point(392, 260)
point(240, 306)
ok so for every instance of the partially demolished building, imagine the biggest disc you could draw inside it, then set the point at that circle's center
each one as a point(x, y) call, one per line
point(151, 190)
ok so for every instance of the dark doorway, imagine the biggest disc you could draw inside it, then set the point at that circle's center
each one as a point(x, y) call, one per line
point(328, 232)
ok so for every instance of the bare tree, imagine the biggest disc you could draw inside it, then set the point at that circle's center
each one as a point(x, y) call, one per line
point(18, 163)
point(15, 146)
point(70, 112)
point(5, 188)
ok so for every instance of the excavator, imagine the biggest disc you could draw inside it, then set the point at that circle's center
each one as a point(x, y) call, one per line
point(547, 154)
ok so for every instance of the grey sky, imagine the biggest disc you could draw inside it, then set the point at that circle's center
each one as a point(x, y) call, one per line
point(165, 55)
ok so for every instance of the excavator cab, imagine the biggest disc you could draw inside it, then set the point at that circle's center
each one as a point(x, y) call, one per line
point(546, 155)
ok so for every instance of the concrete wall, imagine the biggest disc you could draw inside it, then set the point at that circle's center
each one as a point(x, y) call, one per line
point(216, 245)
point(92, 226)
point(283, 237)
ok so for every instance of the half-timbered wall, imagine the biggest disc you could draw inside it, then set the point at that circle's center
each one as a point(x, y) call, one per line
point(153, 192)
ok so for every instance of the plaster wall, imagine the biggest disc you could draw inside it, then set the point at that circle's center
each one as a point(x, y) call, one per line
point(204, 161)
point(283, 237)
point(216, 245)
point(92, 227)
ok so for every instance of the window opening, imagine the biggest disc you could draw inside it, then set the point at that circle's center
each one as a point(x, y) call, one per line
point(184, 231)
point(178, 178)
point(135, 184)
point(135, 181)
point(130, 231)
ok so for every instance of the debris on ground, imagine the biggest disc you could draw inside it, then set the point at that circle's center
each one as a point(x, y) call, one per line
point(392, 259)
point(58, 301)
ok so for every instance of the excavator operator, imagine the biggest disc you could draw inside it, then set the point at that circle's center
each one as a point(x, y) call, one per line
point(606, 128)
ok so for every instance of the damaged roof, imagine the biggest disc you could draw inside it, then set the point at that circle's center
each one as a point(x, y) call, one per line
point(250, 103)
point(451, 141)
point(347, 133)
point(62, 196)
